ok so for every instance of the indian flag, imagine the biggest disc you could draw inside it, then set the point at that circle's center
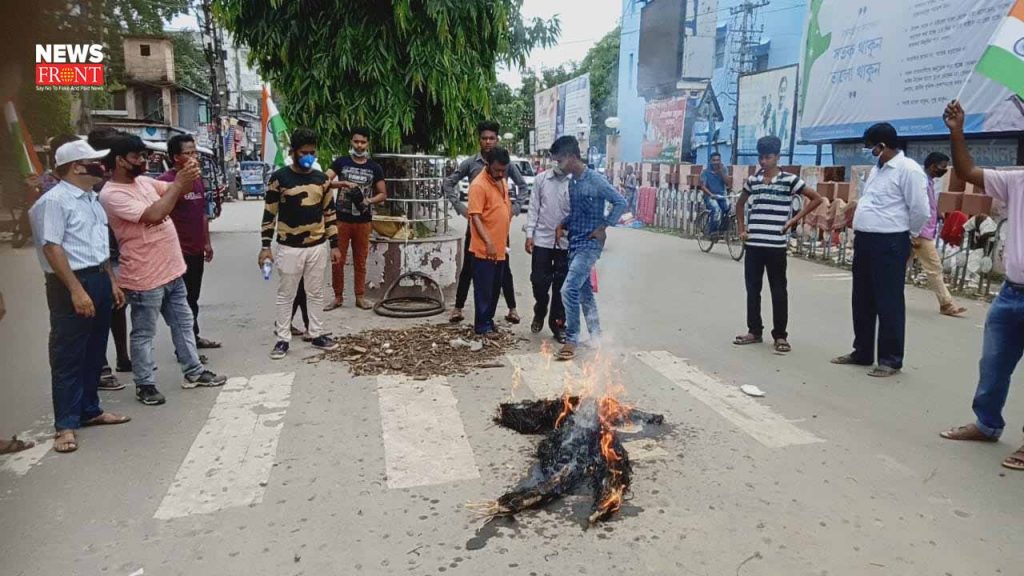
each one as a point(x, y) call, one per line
point(28, 160)
point(275, 133)
point(1003, 60)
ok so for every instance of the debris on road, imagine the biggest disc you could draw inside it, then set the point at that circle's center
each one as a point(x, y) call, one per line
point(751, 390)
point(421, 351)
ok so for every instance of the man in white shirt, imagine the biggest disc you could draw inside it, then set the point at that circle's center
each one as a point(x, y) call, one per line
point(893, 207)
point(549, 207)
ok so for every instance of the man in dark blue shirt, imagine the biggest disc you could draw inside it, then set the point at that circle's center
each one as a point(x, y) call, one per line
point(713, 183)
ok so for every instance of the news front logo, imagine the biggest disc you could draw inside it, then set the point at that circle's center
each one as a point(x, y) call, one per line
point(69, 67)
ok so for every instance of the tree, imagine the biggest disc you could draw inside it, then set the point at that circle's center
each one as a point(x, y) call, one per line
point(190, 63)
point(417, 72)
point(602, 62)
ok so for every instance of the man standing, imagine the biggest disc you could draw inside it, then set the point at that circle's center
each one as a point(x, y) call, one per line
point(470, 168)
point(935, 166)
point(151, 265)
point(713, 185)
point(300, 207)
point(893, 207)
point(549, 207)
point(1003, 343)
point(589, 192)
point(490, 215)
point(193, 227)
point(360, 184)
point(765, 235)
point(70, 231)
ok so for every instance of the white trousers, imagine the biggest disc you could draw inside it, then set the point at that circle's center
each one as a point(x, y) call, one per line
point(294, 265)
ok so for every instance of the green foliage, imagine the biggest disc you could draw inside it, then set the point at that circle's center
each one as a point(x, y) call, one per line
point(49, 114)
point(419, 73)
point(602, 62)
point(190, 64)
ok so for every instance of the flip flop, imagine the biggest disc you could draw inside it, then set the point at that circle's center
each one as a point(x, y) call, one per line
point(513, 318)
point(953, 311)
point(456, 317)
point(107, 419)
point(968, 433)
point(66, 446)
point(333, 306)
point(747, 339)
point(566, 354)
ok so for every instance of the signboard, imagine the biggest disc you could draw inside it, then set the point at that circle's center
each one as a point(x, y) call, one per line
point(663, 131)
point(545, 106)
point(563, 110)
point(900, 61)
point(767, 107)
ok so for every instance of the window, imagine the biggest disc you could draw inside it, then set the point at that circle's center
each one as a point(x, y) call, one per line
point(144, 49)
point(721, 39)
point(760, 56)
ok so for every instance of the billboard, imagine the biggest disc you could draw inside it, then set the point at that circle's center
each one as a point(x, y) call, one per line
point(900, 61)
point(563, 110)
point(663, 130)
point(767, 107)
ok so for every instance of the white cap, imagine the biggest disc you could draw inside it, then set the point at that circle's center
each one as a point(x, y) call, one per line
point(76, 152)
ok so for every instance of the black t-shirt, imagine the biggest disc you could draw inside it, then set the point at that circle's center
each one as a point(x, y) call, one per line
point(366, 176)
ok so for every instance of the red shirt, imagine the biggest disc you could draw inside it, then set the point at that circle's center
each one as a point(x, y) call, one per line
point(189, 216)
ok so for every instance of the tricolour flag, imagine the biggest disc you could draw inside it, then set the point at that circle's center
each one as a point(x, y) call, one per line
point(28, 160)
point(275, 133)
point(1003, 60)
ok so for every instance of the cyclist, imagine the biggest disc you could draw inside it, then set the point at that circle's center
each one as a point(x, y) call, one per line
point(713, 183)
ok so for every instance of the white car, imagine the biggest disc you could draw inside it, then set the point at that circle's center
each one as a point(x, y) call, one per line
point(525, 168)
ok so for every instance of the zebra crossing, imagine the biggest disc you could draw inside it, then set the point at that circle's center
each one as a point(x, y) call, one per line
point(424, 439)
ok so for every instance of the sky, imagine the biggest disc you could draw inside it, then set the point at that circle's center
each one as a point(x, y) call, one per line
point(584, 22)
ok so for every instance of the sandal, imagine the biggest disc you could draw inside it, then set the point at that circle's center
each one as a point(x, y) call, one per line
point(204, 344)
point(782, 346)
point(849, 360)
point(746, 339)
point(567, 353)
point(107, 419)
point(953, 310)
point(456, 316)
point(882, 371)
point(14, 445)
point(334, 305)
point(1015, 461)
point(968, 433)
point(512, 317)
point(62, 444)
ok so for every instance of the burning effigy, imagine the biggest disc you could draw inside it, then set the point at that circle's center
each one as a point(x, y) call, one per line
point(581, 448)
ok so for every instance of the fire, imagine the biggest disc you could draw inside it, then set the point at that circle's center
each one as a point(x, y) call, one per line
point(517, 381)
point(567, 409)
point(547, 353)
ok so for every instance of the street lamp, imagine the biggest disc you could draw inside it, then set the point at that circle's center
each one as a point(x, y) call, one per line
point(612, 122)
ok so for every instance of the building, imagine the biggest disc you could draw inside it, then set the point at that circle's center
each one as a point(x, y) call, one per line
point(705, 46)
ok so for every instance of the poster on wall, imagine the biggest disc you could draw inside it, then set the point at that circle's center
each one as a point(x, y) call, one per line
point(901, 62)
point(663, 130)
point(545, 106)
point(767, 107)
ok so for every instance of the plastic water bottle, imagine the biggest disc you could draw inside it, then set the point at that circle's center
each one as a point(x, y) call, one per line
point(268, 266)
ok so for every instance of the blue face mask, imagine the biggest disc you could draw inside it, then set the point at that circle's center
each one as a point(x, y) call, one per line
point(306, 161)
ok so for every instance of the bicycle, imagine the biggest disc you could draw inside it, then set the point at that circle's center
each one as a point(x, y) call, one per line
point(727, 231)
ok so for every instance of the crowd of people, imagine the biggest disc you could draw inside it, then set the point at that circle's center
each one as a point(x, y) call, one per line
point(109, 237)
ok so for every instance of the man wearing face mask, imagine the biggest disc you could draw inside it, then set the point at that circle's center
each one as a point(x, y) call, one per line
point(151, 264)
point(360, 185)
point(300, 208)
point(70, 231)
point(470, 168)
point(549, 207)
point(935, 166)
point(892, 210)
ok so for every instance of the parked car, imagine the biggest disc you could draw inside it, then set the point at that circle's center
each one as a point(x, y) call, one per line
point(525, 168)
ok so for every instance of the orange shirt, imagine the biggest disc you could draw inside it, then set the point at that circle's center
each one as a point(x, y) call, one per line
point(489, 200)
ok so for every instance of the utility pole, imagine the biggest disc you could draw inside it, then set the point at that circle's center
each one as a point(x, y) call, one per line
point(746, 36)
point(214, 52)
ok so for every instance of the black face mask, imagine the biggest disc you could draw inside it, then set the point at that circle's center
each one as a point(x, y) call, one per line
point(96, 170)
point(940, 173)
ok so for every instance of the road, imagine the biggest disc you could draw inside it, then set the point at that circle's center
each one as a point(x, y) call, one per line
point(299, 468)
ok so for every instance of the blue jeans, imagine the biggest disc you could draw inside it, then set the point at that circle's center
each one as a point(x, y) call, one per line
point(577, 293)
point(1002, 349)
point(716, 206)
point(78, 348)
point(488, 276)
point(170, 301)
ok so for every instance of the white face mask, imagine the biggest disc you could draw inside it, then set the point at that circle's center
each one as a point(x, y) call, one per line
point(364, 154)
point(558, 171)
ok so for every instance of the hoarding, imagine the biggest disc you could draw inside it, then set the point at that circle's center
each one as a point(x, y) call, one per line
point(663, 131)
point(563, 110)
point(767, 107)
point(545, 113)
point(900, 61)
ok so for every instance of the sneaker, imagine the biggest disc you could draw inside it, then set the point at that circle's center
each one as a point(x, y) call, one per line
point(149, 395)
point(325, 343)
point(280, 350)
point(109, 383)
point(205, 379)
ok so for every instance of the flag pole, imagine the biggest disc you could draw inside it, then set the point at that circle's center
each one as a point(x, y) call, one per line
point(964, 86)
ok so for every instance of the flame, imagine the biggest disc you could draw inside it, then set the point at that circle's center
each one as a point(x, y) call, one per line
point(567, 409)
point(547, 353)
point(517, 381)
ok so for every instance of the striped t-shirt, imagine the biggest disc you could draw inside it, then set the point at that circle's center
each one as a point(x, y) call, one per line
point(771, 206)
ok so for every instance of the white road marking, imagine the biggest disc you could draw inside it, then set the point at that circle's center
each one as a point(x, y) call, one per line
point(230, 460)
point(644, 449)
point(545, 377)
point(834, 275)
point(748, 414)
point(20, 463)
point(424, 440)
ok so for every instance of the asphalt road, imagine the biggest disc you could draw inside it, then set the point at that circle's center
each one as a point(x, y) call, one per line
point(299, 468)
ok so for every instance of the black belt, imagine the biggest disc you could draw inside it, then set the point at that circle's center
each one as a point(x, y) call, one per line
point(1015, 286)
point(85, 271)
